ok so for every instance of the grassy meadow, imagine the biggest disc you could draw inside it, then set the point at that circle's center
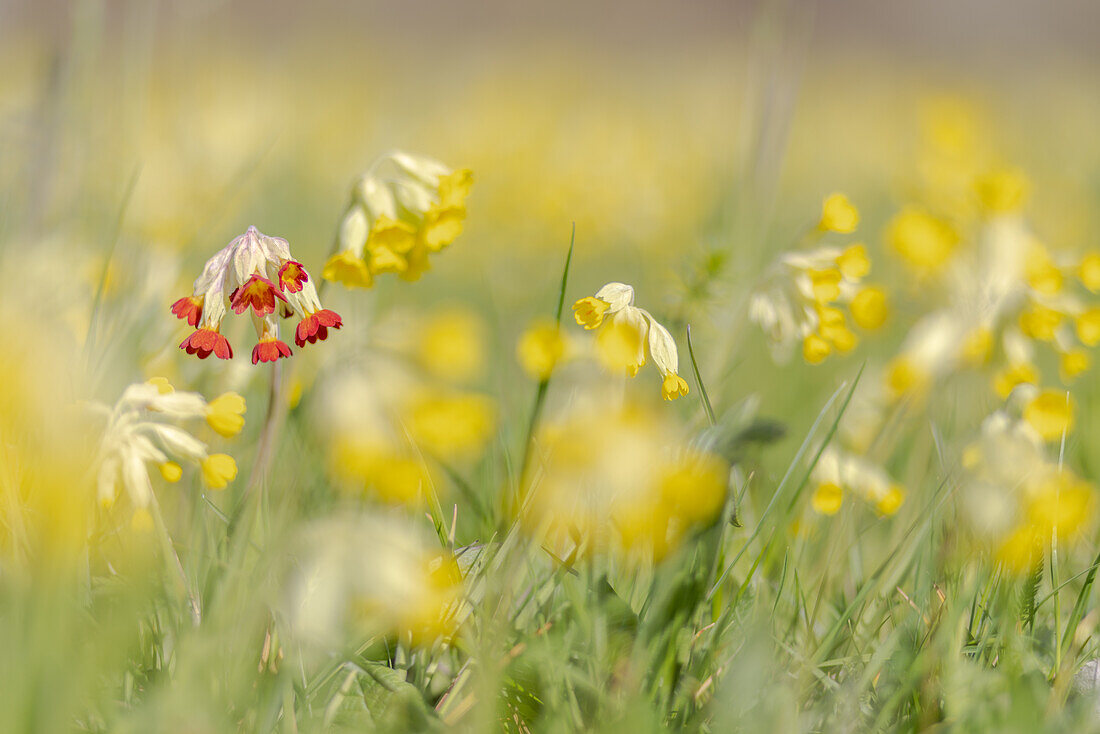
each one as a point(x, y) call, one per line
point(615, 370)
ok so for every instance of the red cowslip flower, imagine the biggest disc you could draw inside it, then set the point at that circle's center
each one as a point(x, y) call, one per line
point(257, 292)
point(204, 342)
point(189, 308)
point(269, 350)
point(315, 326)
point(292, 275)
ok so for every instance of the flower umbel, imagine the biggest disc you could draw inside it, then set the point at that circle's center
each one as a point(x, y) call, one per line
point(254, 272)
point(142, 430)
point(403, 209)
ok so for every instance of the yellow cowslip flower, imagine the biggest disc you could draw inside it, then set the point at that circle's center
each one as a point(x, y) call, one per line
point(838, 215)
point(225, 414)
point(804, 297)
point(1087, 325)
point(827, 499)
point(162, 384)
point(142, 429)
point(171, 471)
point(1040, 322)
point(1020, 550)
point(1041, 272)
point(218, 470)
point(1062, 503)
point(403, 209)
point(452, 345)
point(386, 471)
point(1089, 271)
point(815, 349)
point(891, 502)
point(977, 346)
point(616, 479)
point(838, 470)
point(450, 425)
point(540, 348)
point(905, 377)
point(923, 241)
point(870, 308)
point(1072, 363)
point(1020, 373)
point(854, 262)
point(826, 284)
point(627, 334)
point(1002, 191)
point(1050, 414)
point(370, 574)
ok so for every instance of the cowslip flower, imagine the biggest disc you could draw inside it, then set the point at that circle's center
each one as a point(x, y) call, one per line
point(254, 273)
point(616, 478)
point(409, 586)
point(1015, 496)
point(627, 334)
point(802, 300)
point(838, 471)
point(143, 428)
point(838, 214)
point(403, 209)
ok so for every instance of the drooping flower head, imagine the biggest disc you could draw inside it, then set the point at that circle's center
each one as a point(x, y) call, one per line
point(144, 427)
point(403, 209)
point(802, 299)
point(627, 335)
point(254, 273)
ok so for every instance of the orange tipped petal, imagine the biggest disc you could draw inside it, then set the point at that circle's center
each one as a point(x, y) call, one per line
point(257, 292)
point(269, 350)
point(292, 275)
point(189, 308)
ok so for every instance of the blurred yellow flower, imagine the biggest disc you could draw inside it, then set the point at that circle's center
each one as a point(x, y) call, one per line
point(1002, 191)
point(838, 215)
point(1021, 373)
point(1050, 413)
point(1089, 271)
point(171, 471)
point(451, 425)
point(923, 241)
point(854, 262)
point(540, 348)
point(827, 498)
point(1040, 322)
point(452, 345)
point(1087, 326)
point(870, 308)
point(218, 470)
point(1072, 363)
point(225, 414)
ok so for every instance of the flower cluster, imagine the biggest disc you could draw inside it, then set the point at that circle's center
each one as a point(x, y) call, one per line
point(627, 335)
point(838, 471)
point(614, 477)
point(1016, 496)
point(803, 297)
point(142, 428)
point(254, 272)
point(406, 587)
point(384, 442)
point(1007, 294)
point(802, 302)
point(403, 209)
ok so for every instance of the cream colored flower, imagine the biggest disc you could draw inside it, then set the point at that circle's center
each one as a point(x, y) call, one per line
point(142, 429)
point(628, 334)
